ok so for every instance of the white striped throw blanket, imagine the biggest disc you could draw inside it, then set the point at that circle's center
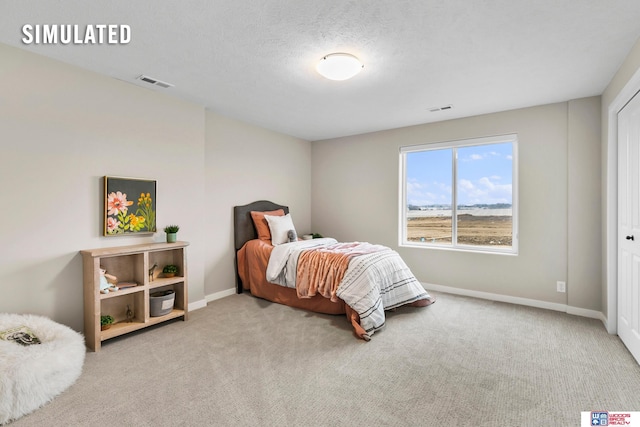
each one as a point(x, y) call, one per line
point(376, 279)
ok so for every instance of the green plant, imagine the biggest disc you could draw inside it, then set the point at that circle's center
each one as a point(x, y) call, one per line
point(317, 236)
point(170, 269)
point(171, 228)
point(106, 320)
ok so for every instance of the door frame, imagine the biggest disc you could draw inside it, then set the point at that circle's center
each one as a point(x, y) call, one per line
point(611, 212)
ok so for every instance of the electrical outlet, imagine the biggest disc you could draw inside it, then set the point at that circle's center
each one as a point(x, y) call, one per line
point(561, 286)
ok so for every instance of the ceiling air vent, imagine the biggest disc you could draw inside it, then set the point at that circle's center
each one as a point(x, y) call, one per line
point(153, 81)
point(443, 108)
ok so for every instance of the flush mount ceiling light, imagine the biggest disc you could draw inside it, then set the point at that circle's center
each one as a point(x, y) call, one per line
point(339, 66)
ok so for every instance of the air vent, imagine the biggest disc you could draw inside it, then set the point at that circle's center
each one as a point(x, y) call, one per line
point(154, 82)
point(443, 108)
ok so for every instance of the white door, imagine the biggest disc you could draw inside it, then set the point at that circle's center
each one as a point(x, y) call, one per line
point(629, 226)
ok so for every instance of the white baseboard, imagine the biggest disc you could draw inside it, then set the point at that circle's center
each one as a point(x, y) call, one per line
point(586, 313)
point(197, 305)
point(221, 294)
point(517, 300)
point(211, 297)
point(577, 311)
point(605, 320)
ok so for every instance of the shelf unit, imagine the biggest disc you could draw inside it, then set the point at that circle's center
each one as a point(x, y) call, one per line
point(131, 264)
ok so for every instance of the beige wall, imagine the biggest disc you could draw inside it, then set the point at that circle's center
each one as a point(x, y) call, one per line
point(584, 239)
point(64, 128)
point(355, 197)
point(246, 163)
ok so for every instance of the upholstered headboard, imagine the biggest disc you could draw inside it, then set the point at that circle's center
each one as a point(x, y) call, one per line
point(244, 230)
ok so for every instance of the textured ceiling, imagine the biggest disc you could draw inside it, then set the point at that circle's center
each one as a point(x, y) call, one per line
point(254, 60)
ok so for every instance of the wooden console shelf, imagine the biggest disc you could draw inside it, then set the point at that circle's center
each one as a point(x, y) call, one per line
point(131, 264)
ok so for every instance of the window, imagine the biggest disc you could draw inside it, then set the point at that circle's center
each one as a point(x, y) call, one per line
point(473, 181)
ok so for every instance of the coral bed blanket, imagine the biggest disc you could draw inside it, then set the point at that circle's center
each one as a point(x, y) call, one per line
point(368, 278)
point(252, 261)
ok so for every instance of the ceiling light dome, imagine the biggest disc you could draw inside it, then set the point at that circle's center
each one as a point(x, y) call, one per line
point(339, 66)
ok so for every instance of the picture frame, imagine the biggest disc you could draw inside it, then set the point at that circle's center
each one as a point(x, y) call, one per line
point(129, 206)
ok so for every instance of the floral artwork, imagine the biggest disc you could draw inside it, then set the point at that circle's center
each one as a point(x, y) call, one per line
point(129, 206)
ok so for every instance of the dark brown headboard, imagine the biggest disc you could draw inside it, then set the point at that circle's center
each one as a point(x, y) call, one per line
point(244, 230)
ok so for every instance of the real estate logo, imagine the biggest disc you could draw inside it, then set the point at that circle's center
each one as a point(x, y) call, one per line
point(76, 34)
point(611, 418)
point(599, 418)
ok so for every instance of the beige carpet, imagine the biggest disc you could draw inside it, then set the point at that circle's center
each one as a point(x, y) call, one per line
point(246, 362)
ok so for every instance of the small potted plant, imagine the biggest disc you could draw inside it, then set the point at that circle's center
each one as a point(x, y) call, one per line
point(105, 322)
point(170, 270)
point(172, 231)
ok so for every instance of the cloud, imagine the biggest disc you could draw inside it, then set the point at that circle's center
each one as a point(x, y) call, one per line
point(481, 156)
point(465, 184)
point(422, 193)
point(486, 182)
point(484, 190)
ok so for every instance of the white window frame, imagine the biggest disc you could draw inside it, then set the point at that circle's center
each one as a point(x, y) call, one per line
point(402, 223)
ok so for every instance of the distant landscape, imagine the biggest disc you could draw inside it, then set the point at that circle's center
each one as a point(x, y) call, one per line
point(460, 207)
point(480, 224)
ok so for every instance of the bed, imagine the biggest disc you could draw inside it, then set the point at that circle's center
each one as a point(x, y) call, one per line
point(356, 279)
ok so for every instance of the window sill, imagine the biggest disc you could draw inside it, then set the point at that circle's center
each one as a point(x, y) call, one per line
point(461, 248)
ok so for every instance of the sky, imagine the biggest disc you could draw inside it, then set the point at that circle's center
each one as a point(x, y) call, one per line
point(484, 175)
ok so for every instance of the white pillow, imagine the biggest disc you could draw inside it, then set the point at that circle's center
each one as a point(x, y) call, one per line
point(279, 227)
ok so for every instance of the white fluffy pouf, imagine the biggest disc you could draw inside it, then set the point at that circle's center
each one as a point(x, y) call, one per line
point(32, 375)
